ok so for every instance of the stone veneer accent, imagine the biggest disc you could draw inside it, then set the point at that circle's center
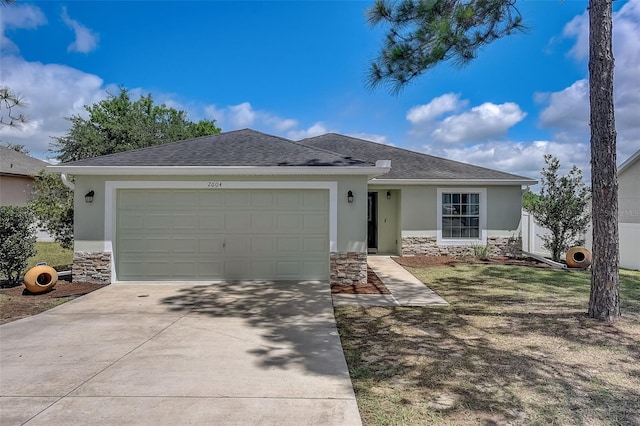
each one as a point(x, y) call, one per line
point(92, 267)
point(348, 268)
point(428, 246)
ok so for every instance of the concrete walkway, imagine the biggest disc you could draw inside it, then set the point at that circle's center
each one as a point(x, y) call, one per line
point(224, 354)
point(406, 289)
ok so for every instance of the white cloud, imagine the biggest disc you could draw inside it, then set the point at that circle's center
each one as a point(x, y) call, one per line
point(52, 92)
point(315, 130)
point(18, 17)
point(568, 108)
point(429, 112)
point(86, 40)
point(241, 115)
point(371, 137)
point(486, 121)
point(521, 158)
point(567, 111)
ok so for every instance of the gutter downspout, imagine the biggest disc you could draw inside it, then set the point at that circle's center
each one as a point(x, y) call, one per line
point(67, 182)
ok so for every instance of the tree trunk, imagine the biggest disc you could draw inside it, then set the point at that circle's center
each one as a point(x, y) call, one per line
point(604, 300)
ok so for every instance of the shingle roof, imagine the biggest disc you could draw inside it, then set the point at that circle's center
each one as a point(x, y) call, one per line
point(406, 164)
point(13, 162)
point(237, 148)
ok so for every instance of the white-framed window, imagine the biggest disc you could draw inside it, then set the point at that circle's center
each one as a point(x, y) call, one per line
point(462, 216)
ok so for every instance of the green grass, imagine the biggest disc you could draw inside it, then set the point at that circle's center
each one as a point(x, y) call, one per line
point(515, 346)
point(52, 253)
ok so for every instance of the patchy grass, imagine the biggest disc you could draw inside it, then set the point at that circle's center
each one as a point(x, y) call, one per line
point(52, 253)
point(515, 346)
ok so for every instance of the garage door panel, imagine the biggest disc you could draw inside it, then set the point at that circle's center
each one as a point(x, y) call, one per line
point(182, 221)
point(237, 221)
point(211, 199)
point(157, 221)
point(289, 222)
point(312, 201)
point(314, 270)
point(237, 199)
point(288, 245)
point(314, 245)
point(222, 234)
point(132, 221)
point(237, 245)
point(264, 222)
point(210, 268)
point(210, 245)
point(263, 200)
point(211, 221)
point(314, 222)
point(262, 246)
point(288, 269)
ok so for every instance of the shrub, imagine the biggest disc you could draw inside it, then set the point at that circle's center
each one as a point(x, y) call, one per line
point(17, 241)
point(481, 252)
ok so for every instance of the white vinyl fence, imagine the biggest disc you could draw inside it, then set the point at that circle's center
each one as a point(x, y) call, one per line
point(531, 231)
point(629, 241)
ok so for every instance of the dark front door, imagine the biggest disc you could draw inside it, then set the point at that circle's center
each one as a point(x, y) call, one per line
point(372, 222)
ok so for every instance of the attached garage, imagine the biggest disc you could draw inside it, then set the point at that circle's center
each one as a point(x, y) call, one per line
point(216, 234)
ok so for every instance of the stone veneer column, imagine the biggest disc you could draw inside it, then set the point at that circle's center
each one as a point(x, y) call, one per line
point(92, 267)
point(428, 246)
point(348, 268)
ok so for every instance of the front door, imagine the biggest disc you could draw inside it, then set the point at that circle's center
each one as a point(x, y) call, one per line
point(372, 222)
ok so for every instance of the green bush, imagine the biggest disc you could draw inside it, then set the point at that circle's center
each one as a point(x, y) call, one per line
point(481, 252)
point(17, 241)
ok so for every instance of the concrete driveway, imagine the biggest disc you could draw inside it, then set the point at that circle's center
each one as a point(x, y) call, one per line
point(168, 354)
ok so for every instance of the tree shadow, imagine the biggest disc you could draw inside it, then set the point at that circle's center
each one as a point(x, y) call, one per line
point(491, 378)
point(294, 319)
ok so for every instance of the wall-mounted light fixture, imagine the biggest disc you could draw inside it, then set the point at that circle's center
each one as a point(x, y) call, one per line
point(388, 195)
point(350, 197)
point(88, 197)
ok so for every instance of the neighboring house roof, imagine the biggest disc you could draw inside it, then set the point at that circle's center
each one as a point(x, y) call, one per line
point(409, 165)
point(629, 162)
point(16, 163)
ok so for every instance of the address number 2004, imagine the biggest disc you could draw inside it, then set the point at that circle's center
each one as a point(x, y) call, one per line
point(214, 184)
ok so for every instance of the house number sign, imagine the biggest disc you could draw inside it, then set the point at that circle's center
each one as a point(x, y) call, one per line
point(214, 184)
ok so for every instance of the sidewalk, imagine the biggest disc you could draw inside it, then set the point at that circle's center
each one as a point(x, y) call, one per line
point(406, 290)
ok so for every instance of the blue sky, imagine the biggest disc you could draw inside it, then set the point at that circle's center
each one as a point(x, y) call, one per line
point(297, 69)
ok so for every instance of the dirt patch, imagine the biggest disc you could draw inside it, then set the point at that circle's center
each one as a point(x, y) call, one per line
point(425, 261)
point(17, 302)
point(373, 286)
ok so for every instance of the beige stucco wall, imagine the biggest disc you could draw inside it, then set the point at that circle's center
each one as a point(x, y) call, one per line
point(89, 218)
point(420, 215)
point(15, 190)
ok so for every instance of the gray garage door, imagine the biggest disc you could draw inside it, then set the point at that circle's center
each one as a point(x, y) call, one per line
point(183, 234)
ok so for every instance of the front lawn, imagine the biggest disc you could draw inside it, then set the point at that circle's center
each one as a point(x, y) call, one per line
point(515, 346)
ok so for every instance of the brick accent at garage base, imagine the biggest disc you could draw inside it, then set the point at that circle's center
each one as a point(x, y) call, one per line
point(92, 267)
point(348, 268)
point(428, 246)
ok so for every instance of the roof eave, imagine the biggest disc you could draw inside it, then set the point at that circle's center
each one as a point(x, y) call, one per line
point(474, 182)
point(370, 171)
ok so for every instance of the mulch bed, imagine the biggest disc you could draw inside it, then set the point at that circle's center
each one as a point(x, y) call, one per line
point(20, 303)
point(426, 261)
